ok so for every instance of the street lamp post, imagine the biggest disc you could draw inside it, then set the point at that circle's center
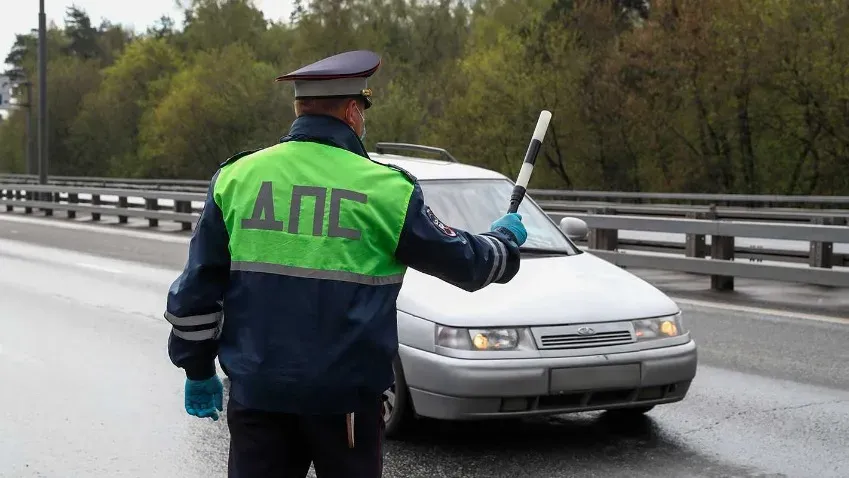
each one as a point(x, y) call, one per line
point(42, 94)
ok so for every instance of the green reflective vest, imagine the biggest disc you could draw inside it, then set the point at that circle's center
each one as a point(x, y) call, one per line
point(307, 209)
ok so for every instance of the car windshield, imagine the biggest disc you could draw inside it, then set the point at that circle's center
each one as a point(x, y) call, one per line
point(472, 205)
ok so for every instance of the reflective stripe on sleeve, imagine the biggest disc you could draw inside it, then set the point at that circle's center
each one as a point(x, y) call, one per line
point(498, 259)
point(206, 319)
point(503, 252)
point(196, 335)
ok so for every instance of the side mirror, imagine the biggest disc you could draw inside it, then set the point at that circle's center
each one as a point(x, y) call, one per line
point(574, 228)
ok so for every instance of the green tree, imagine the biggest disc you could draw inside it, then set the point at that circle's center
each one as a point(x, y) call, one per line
point(667, 95)
point(216, 24)
point(103, 138)
point(223, 103)
point(502, 86)
point(13, 143)
point(69, 81)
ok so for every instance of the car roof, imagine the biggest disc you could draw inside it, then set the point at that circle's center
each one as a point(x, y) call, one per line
point(426, 169)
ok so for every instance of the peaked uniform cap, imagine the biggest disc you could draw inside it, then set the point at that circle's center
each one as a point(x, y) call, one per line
point(337, 76)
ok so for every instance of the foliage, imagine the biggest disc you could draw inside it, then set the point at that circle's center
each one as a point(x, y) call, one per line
point(669, 95)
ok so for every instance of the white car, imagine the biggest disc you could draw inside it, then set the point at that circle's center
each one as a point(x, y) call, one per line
point(570, 333)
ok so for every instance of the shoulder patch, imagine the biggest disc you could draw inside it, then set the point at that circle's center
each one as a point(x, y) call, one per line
point(439, 224)
point(403, 171)
point(236, 157)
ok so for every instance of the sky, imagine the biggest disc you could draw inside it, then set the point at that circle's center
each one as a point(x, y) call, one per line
point(19, 16)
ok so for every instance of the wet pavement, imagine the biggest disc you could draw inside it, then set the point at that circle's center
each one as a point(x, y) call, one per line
point(88, 391)
point(752, 292)
point(133, 241)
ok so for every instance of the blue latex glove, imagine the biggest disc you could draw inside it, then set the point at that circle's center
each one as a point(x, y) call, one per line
point(513, 223)
point(203, 397)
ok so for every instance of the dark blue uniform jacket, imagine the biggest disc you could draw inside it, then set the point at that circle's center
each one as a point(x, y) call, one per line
point(303, 345)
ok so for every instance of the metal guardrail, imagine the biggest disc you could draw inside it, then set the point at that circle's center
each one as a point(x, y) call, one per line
point(147, 204)
point(772, 214)
point(717, 260)
point(127, 183)
point(541, 195)
point(692, 198)
point(603, 241)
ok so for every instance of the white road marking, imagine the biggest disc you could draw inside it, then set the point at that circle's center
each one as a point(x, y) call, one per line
point(98, 268)
point(154, 236)
point(762, 311)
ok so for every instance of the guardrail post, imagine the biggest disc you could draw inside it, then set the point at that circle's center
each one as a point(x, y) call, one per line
point(28, 197)
point(73, 198)
point(7, 193)
point(18, 197)
point(186, 207)
point(95, 201)
point(722, 248)
point(48, 197)
point(152, 205)
point(603, 239)
point(821, 253)
point(122, 203)
point(695, 245)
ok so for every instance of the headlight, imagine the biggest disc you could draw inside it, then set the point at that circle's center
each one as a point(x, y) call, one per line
point(659, 328)
point(479, 339)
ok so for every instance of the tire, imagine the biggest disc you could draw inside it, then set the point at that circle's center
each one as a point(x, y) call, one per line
point(398, 409)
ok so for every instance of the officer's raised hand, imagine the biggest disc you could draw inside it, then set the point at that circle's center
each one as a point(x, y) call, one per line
point(203, 397)
point(511, 223)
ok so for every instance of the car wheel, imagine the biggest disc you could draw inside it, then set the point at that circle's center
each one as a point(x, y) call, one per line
point(397, 410)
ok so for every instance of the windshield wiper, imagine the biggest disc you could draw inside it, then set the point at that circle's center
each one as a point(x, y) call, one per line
point(543, 250)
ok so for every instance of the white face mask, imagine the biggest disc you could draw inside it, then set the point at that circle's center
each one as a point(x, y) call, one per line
point(363, 136)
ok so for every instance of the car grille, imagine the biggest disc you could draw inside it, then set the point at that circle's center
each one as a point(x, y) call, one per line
point(583, 336)
point(575, 341)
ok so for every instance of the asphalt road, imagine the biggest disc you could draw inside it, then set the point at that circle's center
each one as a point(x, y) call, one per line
point(87, 388)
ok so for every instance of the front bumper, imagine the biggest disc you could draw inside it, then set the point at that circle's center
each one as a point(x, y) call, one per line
point(450, 388)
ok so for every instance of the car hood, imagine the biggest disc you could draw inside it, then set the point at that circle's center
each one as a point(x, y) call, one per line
point(547, 290)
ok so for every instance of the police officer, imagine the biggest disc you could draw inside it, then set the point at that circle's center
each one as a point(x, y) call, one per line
point(292, 278)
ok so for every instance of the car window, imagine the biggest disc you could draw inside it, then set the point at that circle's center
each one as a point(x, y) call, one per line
point(472, 205)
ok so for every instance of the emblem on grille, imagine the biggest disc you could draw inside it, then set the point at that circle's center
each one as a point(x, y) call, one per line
point(586, 331)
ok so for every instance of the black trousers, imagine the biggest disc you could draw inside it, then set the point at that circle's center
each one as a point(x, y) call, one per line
point(278, 445)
